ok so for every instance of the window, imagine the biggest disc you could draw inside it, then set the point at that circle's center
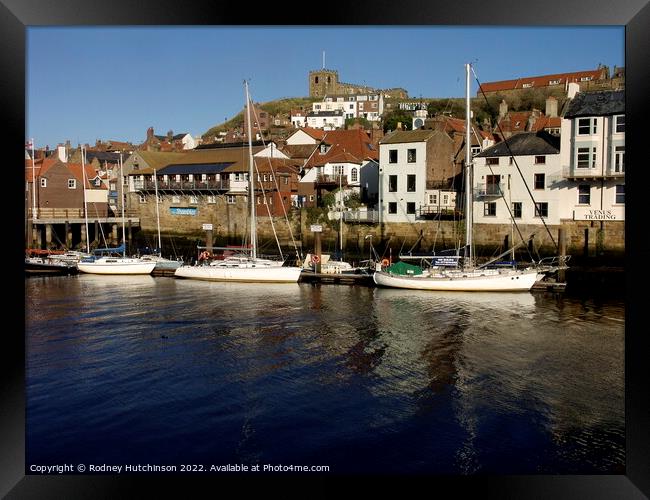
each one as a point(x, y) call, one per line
point(585, 79)
point(475, 150)
point(315, 79)
point(286, 180)
point(143, 199)
point(410, 183)
point(540, 180)
point(540, 160)
point(584, 194)
point(338, 170)
point(72, 183)
point(311, 197)
point(619, 124)
point(541, 209)
point(231, 199)
point(620, 193)
point(194, 200)
point(212, 198)
point(445, 199)
point(354, 175)
point(410, 207)
point(554, 82)
point(490, 209)
point(97, 182)
point(410, 156)
point(492, 184)
point(43, 182)
point(392, 207)
point(159, 199)
point(586, 126)
point(619, 159)
point(433, 199)
point(392, 156)
point(392, 183)
point(176, 199)
point(516, 209)
point(527, 85)
point(586, 158)
point(492, 161)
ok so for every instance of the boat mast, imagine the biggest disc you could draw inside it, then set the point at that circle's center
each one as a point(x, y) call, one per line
point(122, 203)
point(251, 192)
point(33, 183)
point(83, 176)
point(469, 219)
point(155, 179)
point(341, 214)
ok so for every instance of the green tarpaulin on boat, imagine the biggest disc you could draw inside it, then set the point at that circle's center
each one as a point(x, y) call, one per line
point(404, 269)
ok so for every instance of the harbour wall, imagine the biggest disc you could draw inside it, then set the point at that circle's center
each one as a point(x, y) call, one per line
point(584, 239)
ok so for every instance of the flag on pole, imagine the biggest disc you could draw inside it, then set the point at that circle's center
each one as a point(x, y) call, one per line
point(29, 144)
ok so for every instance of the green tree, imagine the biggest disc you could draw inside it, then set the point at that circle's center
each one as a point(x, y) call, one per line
point(392, 118)
point(353, 200)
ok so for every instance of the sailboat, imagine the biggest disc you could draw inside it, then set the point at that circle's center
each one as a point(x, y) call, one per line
point(468, 277)
point(107, 260)
point(248, 267)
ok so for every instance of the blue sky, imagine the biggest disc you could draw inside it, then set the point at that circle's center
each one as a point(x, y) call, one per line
point(112, 83)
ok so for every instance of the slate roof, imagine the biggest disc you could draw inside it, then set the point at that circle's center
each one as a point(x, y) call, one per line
point(601, 103)
point(194, 168)
point(402, 136)
point(525, 144)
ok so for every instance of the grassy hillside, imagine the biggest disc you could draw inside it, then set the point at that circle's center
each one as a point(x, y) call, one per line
point(272, 107)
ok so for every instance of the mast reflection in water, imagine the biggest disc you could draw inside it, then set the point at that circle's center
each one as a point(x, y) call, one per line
point(161, 371)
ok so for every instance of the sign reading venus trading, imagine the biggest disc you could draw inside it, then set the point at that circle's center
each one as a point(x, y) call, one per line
point(595, 214)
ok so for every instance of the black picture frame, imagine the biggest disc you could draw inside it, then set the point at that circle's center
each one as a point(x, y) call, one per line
point(16, 15)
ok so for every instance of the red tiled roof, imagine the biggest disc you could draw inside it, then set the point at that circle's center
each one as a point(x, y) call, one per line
point(75, 168)
point(354, 144)
point(314, 132)
point(540, 81)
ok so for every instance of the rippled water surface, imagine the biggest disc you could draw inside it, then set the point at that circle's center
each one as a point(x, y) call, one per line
point(165, 371)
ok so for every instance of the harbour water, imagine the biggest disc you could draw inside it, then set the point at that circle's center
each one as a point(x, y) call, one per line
point(142, 370)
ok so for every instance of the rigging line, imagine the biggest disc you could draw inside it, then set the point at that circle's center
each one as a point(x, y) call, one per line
point(279, 196)
point(517, 165)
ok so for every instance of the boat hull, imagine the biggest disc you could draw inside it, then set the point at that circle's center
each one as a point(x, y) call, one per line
point(245, 274)
point(503, 281)
point(116, 267)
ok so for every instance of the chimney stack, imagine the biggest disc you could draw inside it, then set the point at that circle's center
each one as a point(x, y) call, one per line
point(551, 106)
point(503, 109)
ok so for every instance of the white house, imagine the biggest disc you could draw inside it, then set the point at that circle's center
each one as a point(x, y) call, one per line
point(298, 118)
point(577, 176)
point(593, 156)
point(410, 189)
point(326, 120)
point(507, 173)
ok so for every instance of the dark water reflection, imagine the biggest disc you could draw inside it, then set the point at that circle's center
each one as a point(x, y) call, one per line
point(157, 370)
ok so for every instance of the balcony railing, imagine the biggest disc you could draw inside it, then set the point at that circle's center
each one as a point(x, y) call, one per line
point(574, 172)
point(436, 210)
point(332, 179)
point(369, 216)
point(485, 190)
point(195, 185)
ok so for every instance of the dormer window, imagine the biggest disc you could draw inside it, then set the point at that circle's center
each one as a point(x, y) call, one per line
point(585, 79)
point(324, 148)
point(554, 82)
point(527, 85)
